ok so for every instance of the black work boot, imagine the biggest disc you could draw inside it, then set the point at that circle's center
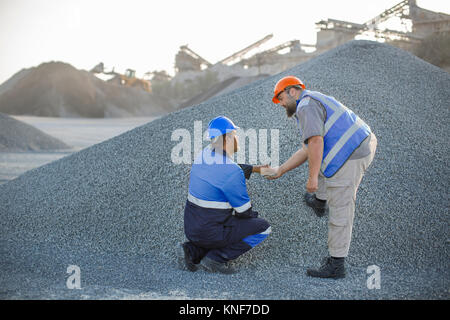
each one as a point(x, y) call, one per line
point(214, 266)
point(319, 206)
point(332, 268)
point(185, 259)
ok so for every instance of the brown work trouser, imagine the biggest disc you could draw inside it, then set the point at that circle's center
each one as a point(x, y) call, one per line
point(340, 193)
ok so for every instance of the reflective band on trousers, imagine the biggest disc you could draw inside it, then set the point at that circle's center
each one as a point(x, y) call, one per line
point(256, 239)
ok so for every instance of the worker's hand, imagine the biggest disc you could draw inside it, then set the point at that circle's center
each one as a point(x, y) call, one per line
point(312, 184)
point(259, 167)
point(271, 173)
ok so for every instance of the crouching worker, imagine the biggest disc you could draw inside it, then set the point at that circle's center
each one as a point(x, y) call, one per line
point(219, 221)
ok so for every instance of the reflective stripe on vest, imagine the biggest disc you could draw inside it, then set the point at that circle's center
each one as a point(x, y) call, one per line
point(344, 132)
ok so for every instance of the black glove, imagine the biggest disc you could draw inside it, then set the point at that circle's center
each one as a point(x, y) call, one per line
point(248, 169)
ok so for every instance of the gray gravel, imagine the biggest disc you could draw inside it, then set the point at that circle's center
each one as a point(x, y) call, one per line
point(16, 135)
point(116, 209)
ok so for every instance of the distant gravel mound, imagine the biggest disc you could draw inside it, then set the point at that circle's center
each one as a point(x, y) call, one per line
point(116, 209)
point(18, 136)
point(56, 89)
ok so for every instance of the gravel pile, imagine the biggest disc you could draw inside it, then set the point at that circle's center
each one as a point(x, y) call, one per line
point(18, 136)
point(116, 209)
point(57, 89)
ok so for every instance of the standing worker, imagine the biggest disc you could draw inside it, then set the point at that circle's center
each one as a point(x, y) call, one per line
point(219, 221)
point(339, 147)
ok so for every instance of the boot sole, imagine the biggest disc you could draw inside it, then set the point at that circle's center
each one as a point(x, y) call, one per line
point(207, 268)
point(183, 261)
point(319, 212)
point(212, 269)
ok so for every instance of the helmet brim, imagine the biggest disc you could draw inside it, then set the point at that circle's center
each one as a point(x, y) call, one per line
point(221, 134)
point(275, 100)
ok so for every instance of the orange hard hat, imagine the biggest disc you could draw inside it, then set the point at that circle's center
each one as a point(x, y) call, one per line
point(283, 83)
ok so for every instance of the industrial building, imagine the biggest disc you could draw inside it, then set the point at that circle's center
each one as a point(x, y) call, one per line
point(414, 24)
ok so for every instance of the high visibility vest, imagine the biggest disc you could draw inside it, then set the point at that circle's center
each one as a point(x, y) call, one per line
point(344, 132)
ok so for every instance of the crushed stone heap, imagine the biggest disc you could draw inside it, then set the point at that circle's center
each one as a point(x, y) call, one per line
point(116, 209)
point(16, 135)
point(57, 89)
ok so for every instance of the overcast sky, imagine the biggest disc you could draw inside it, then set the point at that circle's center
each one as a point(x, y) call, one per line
point(146, 35)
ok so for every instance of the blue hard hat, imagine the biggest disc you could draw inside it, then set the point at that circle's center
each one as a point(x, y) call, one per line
point(220, 126)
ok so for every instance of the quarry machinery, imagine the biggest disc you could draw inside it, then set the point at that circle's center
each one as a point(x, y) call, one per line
point(272, 55)
point(416, 22)
point(242, 52)
point(128, 79)
point(188, 60)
